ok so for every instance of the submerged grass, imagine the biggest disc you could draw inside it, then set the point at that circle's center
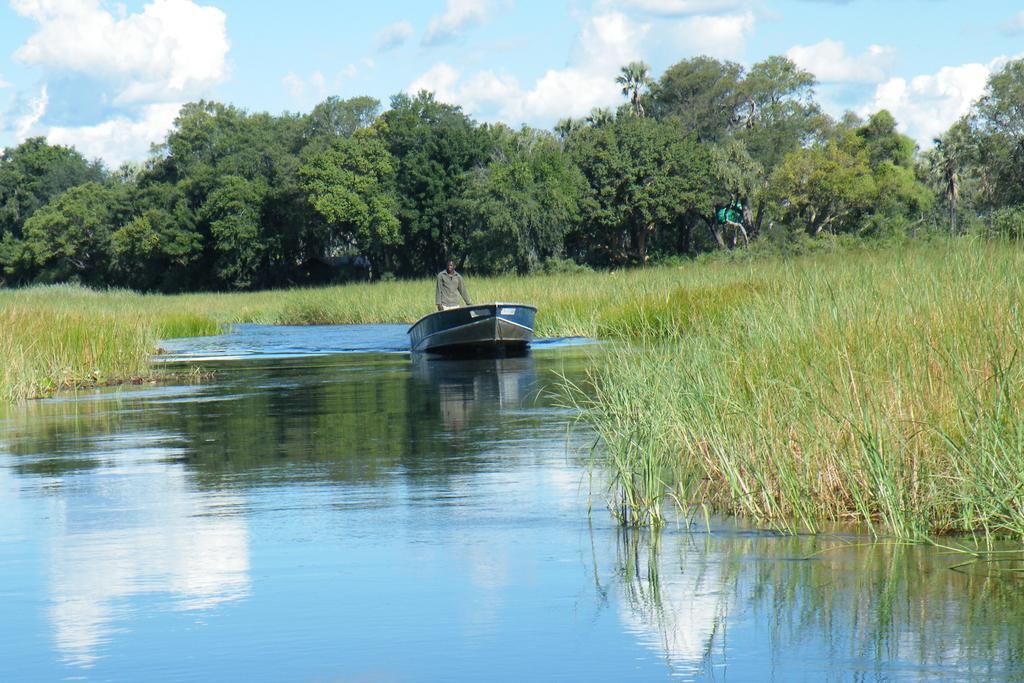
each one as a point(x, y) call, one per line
point(878, 388)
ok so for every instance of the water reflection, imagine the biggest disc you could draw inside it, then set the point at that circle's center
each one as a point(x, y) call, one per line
point(123, 522)
point(758, 606)
point(147, 490)
point(126, 536)
point(349, 419)
point(474, 388)
point(677, 609)
point(296, 518)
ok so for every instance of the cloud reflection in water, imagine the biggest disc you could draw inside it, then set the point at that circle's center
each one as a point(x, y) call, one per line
point(127, 532)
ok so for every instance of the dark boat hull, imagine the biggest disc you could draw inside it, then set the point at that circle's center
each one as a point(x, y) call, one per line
point(484, 328)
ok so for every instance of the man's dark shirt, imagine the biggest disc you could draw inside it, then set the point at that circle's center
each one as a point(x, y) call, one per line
point(449, 288)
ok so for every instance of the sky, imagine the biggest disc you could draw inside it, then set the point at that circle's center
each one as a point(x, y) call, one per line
point(109, 77)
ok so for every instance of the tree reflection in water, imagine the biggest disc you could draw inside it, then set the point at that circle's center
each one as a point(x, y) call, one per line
point(148, 488)
point(152, 499)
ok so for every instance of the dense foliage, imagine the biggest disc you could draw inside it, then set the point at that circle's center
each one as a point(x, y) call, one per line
point(237, 200)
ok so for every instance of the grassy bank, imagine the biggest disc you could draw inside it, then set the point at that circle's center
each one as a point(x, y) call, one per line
point(870, 386)
point(66, 336)
point(881, 388)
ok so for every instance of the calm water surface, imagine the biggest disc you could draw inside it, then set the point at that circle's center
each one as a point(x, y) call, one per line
point(326, 508)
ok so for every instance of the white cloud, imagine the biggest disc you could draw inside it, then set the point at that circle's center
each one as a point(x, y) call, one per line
point(294, 84)
point(460, 14)
point(605, 43)
point(170, 51)
point(484, 90)
point(318, 84)
point(24, 124)
point(392, 36)
point(673, 8)
point(1015, 25)
point(927, 105)
point(441, 79)
point(723, 36)
point(119, 139)
point(829, 62)
point(569, 92)
point(3, 83)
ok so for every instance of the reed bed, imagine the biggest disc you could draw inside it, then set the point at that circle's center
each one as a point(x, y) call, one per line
point(878, 388)
point(54, 337)
point(881, 387)
point(60, 337)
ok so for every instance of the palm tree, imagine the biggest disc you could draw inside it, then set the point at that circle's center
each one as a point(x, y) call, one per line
point(634, 78)
point(600, 116)
point(948, 156)
point(950, 179)
point(566, 127)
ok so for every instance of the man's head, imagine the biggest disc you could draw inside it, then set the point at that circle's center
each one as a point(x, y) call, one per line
point(450, 267)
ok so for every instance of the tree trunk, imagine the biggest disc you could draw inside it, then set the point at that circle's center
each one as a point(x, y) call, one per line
point(686, 238)
point(755, 226)
point(954, 193)
point(718, 235)
point(641, 243)
point(738, 230)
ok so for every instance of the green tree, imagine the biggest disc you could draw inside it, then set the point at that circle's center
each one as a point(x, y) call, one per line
point(860, 182)
point(947, 165)
point(233, 212)
point(351, 185)
point(997, 128)
point(776, 116)
point(702, 93)
point(337, 118)
point(522, 204)
point(884, 143)
point(823, 188)
point(738, 178)
point(435, 146)
point(635, 79)
point(777, 111)
point(31, 175)
point(600, 116)
point(69, 238)
point(158, 248)
point(211, 142)
point(644, 176)
point(35, 172)
point(567, 126)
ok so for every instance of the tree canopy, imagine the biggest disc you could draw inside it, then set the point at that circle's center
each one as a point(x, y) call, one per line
point(232, 199)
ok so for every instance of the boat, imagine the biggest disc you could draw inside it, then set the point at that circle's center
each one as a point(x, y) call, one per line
point(498, 328)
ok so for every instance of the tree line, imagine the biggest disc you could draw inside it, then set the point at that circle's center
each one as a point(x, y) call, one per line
point(239, 200)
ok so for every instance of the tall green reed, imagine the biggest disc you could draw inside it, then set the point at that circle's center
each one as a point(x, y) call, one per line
point(879, 388)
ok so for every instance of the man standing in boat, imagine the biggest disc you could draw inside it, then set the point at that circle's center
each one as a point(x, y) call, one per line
point(449, 288)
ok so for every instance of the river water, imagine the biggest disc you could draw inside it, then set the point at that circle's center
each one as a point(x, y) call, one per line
point(326, 508)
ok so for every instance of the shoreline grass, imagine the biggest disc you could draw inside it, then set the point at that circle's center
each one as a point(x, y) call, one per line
point(881, 387)
point(62, 336)
point(884, 389)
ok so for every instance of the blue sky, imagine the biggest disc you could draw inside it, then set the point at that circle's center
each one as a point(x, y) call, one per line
point(108, 77)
